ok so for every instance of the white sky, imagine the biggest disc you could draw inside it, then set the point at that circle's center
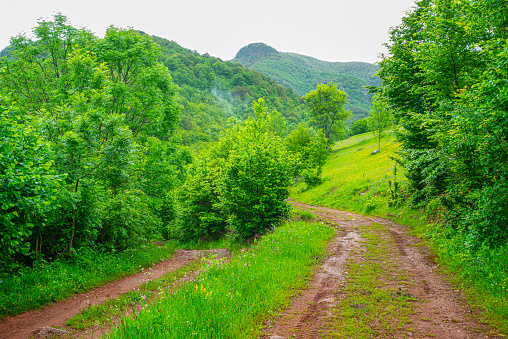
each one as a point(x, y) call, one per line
point(331, 30)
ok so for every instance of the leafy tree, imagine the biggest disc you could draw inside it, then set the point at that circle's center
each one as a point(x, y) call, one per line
point(445, 78)
point(359, 126)
point(310, 148)
point(380, 118)
point(326, 109)
point(256, 176)
point(106, 107)
point(28, 183)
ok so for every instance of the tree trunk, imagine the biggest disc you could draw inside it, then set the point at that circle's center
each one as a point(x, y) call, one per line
point(73, 229)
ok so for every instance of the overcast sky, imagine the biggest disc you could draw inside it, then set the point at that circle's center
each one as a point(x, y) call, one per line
point(331, 30)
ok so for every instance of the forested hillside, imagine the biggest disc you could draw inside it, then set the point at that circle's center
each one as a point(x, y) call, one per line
point(212, 91)
point(303, 73)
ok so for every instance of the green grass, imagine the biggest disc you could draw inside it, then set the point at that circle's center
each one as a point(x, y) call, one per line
point(233, 300)
point(354, 179)
point(357, 181)
point(32, 288)
point(103, 313)
point(372, 306)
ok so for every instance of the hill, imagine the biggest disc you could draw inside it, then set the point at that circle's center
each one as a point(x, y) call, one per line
point(212, 91)
point(302, 73)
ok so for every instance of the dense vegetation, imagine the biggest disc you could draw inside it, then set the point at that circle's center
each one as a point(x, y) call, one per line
point(303, 73)
point(213, 91)
point(92, 159)
point(446, 76)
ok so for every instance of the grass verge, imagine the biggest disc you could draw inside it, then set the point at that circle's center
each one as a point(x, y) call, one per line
point(102, 314)
point(373, 305)
point(32, 288)
point(357, 181)
point(233, 300)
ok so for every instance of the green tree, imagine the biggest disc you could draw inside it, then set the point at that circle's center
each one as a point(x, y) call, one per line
point(28, 184)
point(359, 126)
point(311, 150)
point(106, 107)
point(326, 109)
point(380, 118)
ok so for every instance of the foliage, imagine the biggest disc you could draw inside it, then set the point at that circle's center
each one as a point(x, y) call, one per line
point(238, 296)
point(310, 148)
point(326, 109)
point(359, 127)
point(106, 107)
point(212, 91)
point(380, 118)
point(445, 74)
point(240, 184)
point(200, 215)
point(302, 73)
point(28, 183)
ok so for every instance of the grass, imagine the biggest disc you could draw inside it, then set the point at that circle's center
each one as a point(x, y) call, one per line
point(233, 300)
point(372, 305)
point(32, 288)
point(357, 181)
point(353, 178)
point(103, 313)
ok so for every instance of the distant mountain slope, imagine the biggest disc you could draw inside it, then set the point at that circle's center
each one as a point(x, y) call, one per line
point(302, 73)
point(212, 91)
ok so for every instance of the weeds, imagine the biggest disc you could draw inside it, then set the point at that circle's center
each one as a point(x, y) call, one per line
point(233, 300)
point(32, 288)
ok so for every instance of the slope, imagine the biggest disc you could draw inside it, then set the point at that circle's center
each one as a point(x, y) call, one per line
point(302, 73)
point(212, 91)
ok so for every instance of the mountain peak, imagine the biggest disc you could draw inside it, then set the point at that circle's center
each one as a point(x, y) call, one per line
point(255, 50)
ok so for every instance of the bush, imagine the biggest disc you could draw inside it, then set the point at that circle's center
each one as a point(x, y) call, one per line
point(200, 215)
point(254, 187)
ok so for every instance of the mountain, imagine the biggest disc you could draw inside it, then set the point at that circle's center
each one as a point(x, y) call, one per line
point(212, 91)
point(302, 73)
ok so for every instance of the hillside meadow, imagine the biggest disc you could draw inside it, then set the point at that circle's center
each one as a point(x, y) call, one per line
point(358, 181)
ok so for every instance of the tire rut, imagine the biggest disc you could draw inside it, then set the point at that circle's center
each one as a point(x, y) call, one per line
point(439, 310)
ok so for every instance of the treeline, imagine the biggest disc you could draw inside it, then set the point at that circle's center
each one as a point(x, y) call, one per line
point(446, 74)
point(91, 150)
point(212, 91)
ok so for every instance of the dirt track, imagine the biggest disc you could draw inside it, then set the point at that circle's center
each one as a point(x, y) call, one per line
point(26, 325)
point(440, 310)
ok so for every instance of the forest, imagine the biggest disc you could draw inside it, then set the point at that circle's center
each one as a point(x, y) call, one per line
point(95, 134)
point(109, 145)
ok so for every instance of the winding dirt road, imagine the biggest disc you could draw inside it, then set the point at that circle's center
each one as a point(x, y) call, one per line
point(439, 310)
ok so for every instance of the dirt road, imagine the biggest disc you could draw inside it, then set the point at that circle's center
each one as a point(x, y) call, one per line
point(402, 296)
point(29, 324)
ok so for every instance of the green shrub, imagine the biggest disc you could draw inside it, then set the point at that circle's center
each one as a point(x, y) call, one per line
point(254, 187)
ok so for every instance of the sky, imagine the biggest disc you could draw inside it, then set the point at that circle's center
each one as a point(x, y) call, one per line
point(330, 30)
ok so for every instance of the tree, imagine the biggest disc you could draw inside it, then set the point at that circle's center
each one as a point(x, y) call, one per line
point(256, 175)
point(380, 117)
point(310, 148)
point(326, 109)
point(106, 107)
point(359, 127)
point(28, 184)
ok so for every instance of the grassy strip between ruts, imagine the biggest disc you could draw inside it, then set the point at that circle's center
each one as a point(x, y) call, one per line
point(32, 288)
point(373, 306)
point(233, 300)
